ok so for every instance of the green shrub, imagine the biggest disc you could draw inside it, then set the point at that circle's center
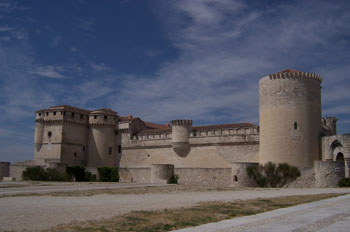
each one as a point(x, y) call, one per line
point(78, 173)
point(52, 174)
point(345, 182)
point(108, 174)
point(39, 173)
point(173, 179)
point(33, 173)
point(114, 174)
point(270, 175)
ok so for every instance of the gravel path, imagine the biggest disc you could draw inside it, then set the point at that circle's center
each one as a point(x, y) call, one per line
point(326, 215)
point(42, 212)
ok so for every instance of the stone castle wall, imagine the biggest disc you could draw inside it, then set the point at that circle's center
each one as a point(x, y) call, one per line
point(328, 173)
point(4, 170)
point(239, 174)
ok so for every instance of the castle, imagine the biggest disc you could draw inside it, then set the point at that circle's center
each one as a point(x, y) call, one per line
point(291, 130)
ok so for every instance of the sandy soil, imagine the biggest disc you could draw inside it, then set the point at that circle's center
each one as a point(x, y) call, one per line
point(35, 213)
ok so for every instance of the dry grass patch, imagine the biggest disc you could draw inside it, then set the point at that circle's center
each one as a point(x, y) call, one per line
point(171, 219)
point(129, 190)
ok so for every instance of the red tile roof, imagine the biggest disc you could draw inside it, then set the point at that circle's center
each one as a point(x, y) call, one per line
point(224, 126)
point(288, 70)
point(127, 118)
point(68, 108)
point(156, 126)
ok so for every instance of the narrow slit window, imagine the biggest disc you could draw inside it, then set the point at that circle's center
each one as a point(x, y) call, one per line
point(119, 149)
point(295, 126)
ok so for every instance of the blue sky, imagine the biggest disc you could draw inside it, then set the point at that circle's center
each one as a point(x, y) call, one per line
point(163, 60)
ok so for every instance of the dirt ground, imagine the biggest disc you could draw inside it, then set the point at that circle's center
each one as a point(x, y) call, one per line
point(33, 213)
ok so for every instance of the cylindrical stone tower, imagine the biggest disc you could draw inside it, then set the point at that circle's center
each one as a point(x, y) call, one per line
point(290, 118)
point(39, 131)
point(180, 134)
point(102, 138)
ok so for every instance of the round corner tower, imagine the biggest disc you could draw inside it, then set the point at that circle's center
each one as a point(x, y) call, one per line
point(180, 134)
point(290, 118)
point(102, 138)
point(39, 130)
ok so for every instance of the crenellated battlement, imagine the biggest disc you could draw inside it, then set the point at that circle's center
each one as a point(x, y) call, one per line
point(180, 122)
point(294, 75)
point(197, 133)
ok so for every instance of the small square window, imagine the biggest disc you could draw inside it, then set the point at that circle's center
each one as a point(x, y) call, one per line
point(54, 113)
point(39, 114)
point(49, 134)
point(81, 116)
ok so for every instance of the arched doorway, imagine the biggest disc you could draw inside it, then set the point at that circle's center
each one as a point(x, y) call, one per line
point(340, 157)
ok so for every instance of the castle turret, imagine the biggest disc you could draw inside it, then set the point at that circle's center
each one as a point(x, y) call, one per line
point(180, 134)
point(39, 130)
point(290, 118)
point(331, 124)
point(102, 138)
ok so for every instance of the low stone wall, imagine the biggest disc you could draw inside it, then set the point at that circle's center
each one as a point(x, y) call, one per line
point(16, 171)
point(328, 173)
point(161, 173)
point(204, 176)
point(135, 175)
point(306, 179)
point(61, 167)
point(4, 170)
point(240, 176)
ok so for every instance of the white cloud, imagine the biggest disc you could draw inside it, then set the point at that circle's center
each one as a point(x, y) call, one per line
point(86, 24)
point(50, 71)
point(56, 40)
point(5, 28)
point(97, 67)
point(337, 110)
point(224, 48)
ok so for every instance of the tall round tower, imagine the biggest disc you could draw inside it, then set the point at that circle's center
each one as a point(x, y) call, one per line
point(290, 118)
point(39, 130)
point(102, 138)
point(180, 134)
